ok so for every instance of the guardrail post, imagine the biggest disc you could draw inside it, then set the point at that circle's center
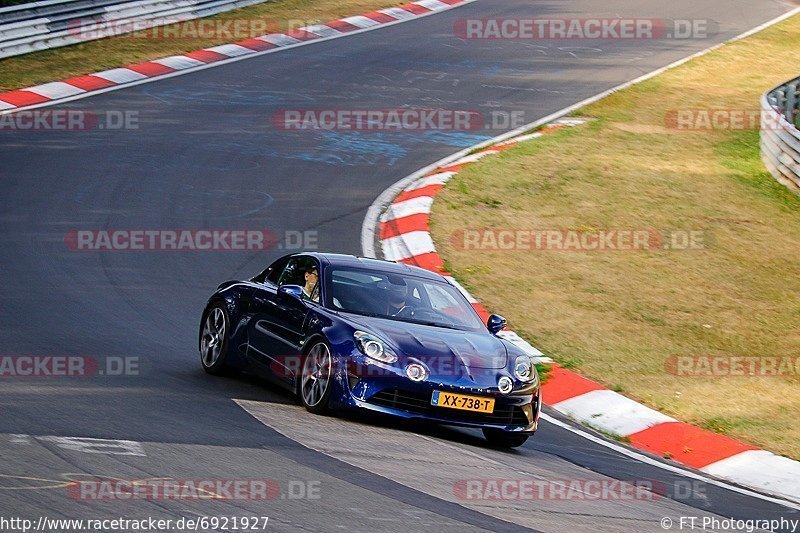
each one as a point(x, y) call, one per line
point(780, 98)
point(791, 102)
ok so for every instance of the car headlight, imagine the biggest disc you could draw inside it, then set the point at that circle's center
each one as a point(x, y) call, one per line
point(524, 370)
point(373, 347)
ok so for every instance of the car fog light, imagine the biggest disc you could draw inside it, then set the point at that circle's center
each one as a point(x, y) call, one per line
point(505, 384)
point(416, 372)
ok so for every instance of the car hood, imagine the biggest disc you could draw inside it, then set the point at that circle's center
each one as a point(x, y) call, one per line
point(437, 346)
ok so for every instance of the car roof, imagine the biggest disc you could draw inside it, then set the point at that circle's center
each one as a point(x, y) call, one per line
point(381, 265)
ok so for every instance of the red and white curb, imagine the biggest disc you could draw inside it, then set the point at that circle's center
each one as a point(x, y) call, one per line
point(99, 82)
point(403, 236)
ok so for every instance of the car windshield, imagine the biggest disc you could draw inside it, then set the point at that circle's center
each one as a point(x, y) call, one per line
point(400, 297)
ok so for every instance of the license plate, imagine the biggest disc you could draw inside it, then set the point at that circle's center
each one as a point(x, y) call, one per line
point(462, 401)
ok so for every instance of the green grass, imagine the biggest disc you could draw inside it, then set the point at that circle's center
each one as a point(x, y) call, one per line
point(618, 317)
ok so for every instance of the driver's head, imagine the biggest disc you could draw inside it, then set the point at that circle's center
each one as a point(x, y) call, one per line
point(312, 274)
point(311, 289)
point(397, 296)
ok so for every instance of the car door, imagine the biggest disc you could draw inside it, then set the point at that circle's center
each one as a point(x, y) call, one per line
point(277, 326)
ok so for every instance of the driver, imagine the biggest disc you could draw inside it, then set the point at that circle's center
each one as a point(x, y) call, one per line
point(311, 288)
point(396, 303)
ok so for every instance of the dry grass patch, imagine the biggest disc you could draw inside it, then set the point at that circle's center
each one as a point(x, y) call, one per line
point(93, 56)
point(618, 316)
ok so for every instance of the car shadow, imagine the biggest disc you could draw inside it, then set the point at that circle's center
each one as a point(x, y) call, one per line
point(454, 434)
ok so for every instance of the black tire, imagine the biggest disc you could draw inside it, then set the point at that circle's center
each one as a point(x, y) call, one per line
point(213, 340)
point(505, 439)
point(316, 378)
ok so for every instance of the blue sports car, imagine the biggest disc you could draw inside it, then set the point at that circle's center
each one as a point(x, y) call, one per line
point(349, 332)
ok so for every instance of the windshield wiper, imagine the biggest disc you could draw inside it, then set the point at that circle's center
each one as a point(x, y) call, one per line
point(435, 324)
point(362, 313)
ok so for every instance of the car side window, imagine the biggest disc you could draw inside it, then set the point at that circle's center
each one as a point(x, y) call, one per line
point(290, 274)
point(275, 271)
point(302, 271)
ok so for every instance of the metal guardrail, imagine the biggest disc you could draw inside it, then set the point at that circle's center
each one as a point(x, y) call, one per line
point(780, 133)
point(26, 28)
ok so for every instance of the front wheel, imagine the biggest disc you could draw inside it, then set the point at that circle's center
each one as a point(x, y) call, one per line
point(214, 340)
point(316, 378)
point(505, 439)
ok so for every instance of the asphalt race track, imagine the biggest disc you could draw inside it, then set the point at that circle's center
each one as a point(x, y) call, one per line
point(206, 155)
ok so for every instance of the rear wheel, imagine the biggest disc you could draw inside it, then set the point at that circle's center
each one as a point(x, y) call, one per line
point(505, 439)
point(214, 340)
point(316, 377)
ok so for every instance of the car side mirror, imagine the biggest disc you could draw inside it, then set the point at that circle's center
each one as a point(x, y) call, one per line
point(496, 323)
point(291, 291)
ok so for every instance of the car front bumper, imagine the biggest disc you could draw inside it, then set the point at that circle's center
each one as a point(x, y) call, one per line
point(393, 393)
